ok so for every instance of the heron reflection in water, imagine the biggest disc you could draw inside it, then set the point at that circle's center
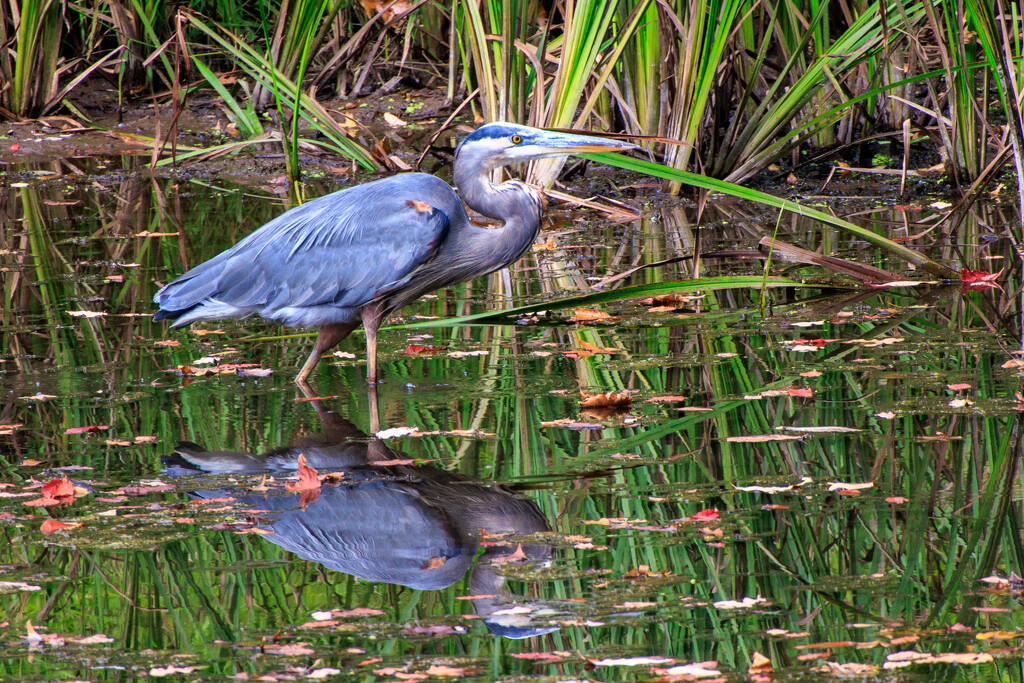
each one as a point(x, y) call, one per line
point(415, 526)
point(354, 256)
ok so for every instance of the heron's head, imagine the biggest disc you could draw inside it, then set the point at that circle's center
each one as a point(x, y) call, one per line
point(500, 144)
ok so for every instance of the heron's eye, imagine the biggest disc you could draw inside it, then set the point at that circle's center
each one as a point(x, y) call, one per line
point(516, 139)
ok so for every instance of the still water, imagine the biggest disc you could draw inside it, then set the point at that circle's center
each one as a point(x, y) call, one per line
point(826, 480)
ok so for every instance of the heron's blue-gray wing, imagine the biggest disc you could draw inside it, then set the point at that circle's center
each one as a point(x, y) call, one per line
point(341, 250)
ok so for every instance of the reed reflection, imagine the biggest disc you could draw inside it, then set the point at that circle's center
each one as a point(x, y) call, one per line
point(387, 521)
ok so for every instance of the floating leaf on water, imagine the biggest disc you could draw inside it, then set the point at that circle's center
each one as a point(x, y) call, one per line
point(841, 486)
point(43, 502)
point(740, 604)
point(606, 399)
point(695, 670)
point(759, 664)
point(308, 478)
point(775, 489)
point(162, 671)
point(97, 639)
point(848, 669)
point(958, 387)
point(418, 349)
point(323, 673)
point(886, 415)
point(444, 671)
point(467, 354)
point(395, 432)
point(46, 397)
point(541, 656)
point(632, 661)
point(59, 488)
point(586, 315)
point(980, 279)
point(998, 635)
point(16, 586)
point(90, 429)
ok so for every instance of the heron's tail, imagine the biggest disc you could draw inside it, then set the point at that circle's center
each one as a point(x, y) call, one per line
point(193, 290)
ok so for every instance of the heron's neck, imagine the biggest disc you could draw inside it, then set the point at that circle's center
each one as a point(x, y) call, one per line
point(513, 202)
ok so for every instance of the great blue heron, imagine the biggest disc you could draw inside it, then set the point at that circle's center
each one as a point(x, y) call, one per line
point(355, 255)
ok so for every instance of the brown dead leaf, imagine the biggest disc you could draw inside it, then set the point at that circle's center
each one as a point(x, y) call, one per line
point(291, 650)
point(51, 526)
point(759, 664)
point(594, 348)
point(443, 671)
point(516, 556)
point(606, 399)
point(308, 478)
point(585, 315)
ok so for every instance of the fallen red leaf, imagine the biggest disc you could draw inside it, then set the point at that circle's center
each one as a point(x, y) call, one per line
point(308, 478)
point(52, 525)
point(800, 393)
point(980, 279)
point(415, 349)
point(973, 276)
point(91, 429)
point(42, 502)
point(58, 488)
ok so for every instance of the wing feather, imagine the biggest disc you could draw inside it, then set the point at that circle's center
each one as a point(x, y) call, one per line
point(342, 250)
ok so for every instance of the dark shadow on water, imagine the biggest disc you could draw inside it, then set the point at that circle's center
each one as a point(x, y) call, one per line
point(412, 525)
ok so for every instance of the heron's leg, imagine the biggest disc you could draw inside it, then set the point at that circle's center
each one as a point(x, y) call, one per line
point(371, 394)
point(330, 335)
point(373, 316)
